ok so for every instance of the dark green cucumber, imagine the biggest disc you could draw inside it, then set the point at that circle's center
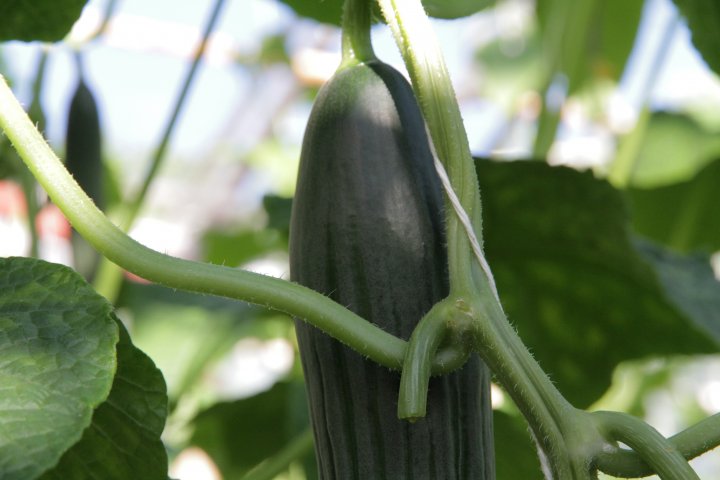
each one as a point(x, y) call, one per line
point(83, 149)
point(367, 230)
point(83, 159)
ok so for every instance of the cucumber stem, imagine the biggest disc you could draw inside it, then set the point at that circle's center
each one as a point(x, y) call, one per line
point(696, 440)
point(656, 450)
point(356, 34)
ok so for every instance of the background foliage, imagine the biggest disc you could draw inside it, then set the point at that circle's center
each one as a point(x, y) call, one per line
point(605, 272)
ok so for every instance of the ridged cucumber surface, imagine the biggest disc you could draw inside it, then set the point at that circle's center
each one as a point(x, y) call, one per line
point(367, 229)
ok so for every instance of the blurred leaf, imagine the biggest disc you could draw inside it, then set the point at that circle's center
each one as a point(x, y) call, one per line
point(44, 20)
point(273, 50)
point(674, 149)
point(278, 210)
point(185, 333)
point(589, 39)
point(572, 281)
point(450, 9)
point(703, 17)
point(233, 249)
point(57, 338)
point(330, 11)
point(237, 248)
point(515, 456)
point(123, 440)
point(684, 215)
point(690, 284)
point(511, 67)
point(238, 435)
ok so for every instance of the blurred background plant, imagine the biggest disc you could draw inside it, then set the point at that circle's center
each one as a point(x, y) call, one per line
point(215, 96)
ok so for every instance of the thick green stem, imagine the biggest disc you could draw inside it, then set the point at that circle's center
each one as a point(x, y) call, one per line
point(269, 292)
point(356, 38)
point(441, 322)
point(108, 278)
point(657, 451)
point(696, 440)
point(28, 182)
point(564, 434)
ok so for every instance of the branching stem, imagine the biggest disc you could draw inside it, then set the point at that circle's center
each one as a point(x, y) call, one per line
point(273, 293)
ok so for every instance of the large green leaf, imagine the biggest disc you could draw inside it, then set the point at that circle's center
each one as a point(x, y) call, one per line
point(330, 11)
point(573, 282)
point(703, 17)
point(239, 435)
point(689, 283)
point(674, 149)
point(123, 440)
point(57, 344)
point(684, 215)
point(44, 20)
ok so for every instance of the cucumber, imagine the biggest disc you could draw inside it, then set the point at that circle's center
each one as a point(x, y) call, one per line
point(83, 159)
point(367, 229)
point(83, 148)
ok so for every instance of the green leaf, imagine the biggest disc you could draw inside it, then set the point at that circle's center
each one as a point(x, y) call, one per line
point(703, 17)
point(57, 339)
point(123, 440)
point(43, 20)
point(684, 215)
point(571, 279)
point(238, 435)
point(330, 11)
point(674, 149)
point(690, 284)
point(516, 456)
point(589, 39)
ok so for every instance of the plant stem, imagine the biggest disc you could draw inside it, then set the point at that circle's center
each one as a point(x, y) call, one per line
point(554, 422)
point(565, 434)
point(653, 448)
point(273, 293)
point(29, 184)
point(272, 467)
point(356, 38)
point(108, 279)
point(415, 377)
point(696, 440)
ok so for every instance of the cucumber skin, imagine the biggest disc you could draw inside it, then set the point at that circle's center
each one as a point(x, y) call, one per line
point(83, 145)
point(367, 230)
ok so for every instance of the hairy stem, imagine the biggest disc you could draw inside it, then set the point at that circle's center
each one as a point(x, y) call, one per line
point(696, 440)
point(658, 452)
point(108, 278)
point(356, 39)
point(119, 248)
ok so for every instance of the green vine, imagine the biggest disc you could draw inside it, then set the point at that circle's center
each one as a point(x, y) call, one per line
point(119, 248)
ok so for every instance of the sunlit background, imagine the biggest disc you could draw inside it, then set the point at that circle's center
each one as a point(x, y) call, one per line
point(238, 141)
